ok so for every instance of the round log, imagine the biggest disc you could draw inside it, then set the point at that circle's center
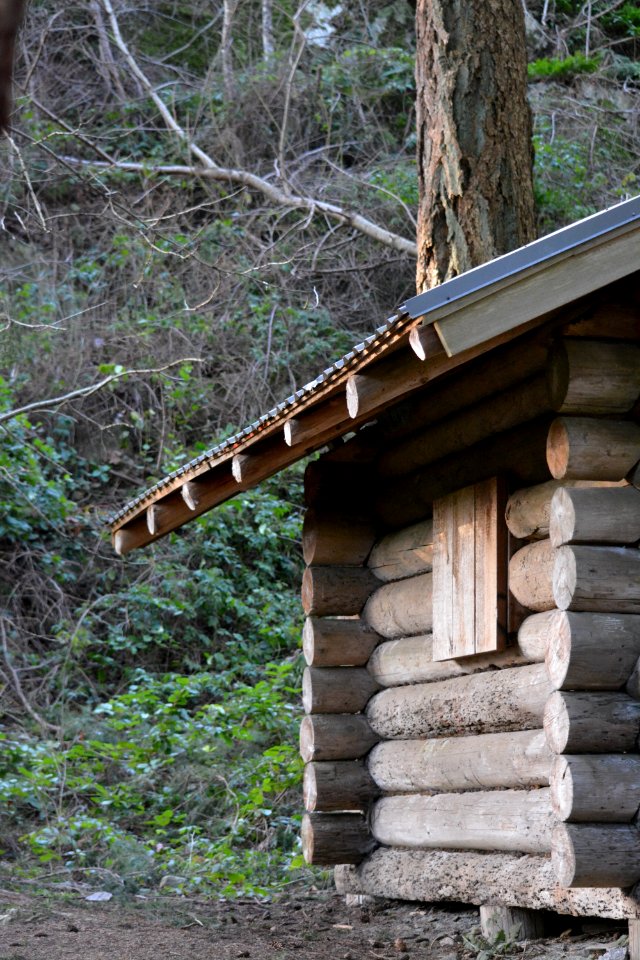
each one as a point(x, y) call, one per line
point(330, 786)
point(401, 608)
point(605, 515)
point(601, 789)
point(602, 579)
point(403, 554)
point(591, 722)
point(589, 376)
point(336, 591)
point(521, 880)
point(335, 538)
point(492, 415)
point(495, 701)
point(534, 635)
point(592, 651)
point(520, 820)
point(595, 855)
point(336, 689)
point(331, 838)
point(580, 448)
point(337, 642)
point(335, 737)
point(487, 761)
point(410, 660)
point(527, 512)
point(530, 575)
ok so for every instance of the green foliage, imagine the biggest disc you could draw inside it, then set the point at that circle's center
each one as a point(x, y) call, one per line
point(565, 69)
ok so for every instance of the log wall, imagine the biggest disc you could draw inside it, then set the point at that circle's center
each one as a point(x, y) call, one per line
point(530, 754)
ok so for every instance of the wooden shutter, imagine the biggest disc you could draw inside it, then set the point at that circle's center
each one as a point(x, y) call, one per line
point(470, 571)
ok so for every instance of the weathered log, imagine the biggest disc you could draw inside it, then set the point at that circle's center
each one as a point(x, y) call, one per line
point(587, 376)
point(336, 538)
point(404, 553)
point(605, 515)
point(336, 689)
point(330, 838)
point(601, 579)
point(531, 575)
point(385, 381)
point(596, 789)
point(409, 660)
point(534, 635)
point(595, 855)
point(520, 452)
point(591, 722)
point(580, 448)
point(519, 820)
point(425, 342)
point(306, 429)
point(511, 923)
point(492, 702)
point(528, 510)
point(592, 651)
point(329, 786)
point(514, 879)
point(401, 608)
point(610, 319)
point(336, 591)
point(491, 760)
point(461, 430)
point(337, 642)
point(336, 736)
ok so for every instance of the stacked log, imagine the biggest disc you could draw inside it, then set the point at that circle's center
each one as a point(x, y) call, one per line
point(337, 537)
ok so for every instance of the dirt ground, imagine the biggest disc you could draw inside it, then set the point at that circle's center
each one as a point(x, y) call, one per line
point(312, 925)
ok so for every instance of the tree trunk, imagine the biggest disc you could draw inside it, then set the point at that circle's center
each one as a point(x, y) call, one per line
point(474, 135)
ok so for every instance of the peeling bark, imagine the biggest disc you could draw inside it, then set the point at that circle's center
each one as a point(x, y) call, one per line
point(474, 135)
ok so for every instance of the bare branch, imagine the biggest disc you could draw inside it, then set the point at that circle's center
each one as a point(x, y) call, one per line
point(92, 388)
point(211, 170)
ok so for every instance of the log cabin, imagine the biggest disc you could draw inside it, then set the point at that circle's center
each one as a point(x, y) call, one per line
point(472, 585)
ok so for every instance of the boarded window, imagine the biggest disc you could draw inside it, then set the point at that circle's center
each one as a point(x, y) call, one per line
point(470, 571)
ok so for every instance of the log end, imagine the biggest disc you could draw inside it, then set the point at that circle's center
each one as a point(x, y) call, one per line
point(556, 723)
point(564, 577)
point(353, 402)
point(307, 739)
point(562, 518)
point(561, 783)
point(558, 449)
point(563, 857)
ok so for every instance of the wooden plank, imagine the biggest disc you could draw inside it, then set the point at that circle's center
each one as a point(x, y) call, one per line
point(469, 585)
point(575, 275)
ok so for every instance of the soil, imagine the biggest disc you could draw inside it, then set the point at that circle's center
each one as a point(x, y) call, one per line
point(313, 925)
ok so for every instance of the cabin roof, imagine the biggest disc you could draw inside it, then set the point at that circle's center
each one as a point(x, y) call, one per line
point(429, 335)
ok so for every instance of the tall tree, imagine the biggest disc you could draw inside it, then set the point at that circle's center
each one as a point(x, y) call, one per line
point(474, 135)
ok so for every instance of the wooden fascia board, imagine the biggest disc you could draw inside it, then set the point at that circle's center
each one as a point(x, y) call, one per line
point(519, 298)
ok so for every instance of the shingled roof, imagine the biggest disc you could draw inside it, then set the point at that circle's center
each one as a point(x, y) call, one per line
point(428, 336)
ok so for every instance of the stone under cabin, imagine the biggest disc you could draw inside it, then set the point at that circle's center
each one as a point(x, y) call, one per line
point(472, 584)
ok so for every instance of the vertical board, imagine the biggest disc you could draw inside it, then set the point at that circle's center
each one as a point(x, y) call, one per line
point(469, 571)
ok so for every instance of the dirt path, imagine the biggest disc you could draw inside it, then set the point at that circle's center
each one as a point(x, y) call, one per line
point(316, 926)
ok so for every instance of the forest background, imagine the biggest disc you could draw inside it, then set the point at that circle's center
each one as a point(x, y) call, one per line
point(149, 707)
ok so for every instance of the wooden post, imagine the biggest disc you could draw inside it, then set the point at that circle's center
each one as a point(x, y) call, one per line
point(596, 855)
point(634, 939)
point(516, 923)
point(591, 722)
point(605, 515)
point(331, 786)
point(601, 579)
point(336, 689)
point(331, 838)
point(580, 448)
point(337, 642)
point(335, 737)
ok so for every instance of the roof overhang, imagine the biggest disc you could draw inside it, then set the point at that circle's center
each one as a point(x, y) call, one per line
point(431, 334)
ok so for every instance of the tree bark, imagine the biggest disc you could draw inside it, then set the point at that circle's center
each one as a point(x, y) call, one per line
point(474, 135)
